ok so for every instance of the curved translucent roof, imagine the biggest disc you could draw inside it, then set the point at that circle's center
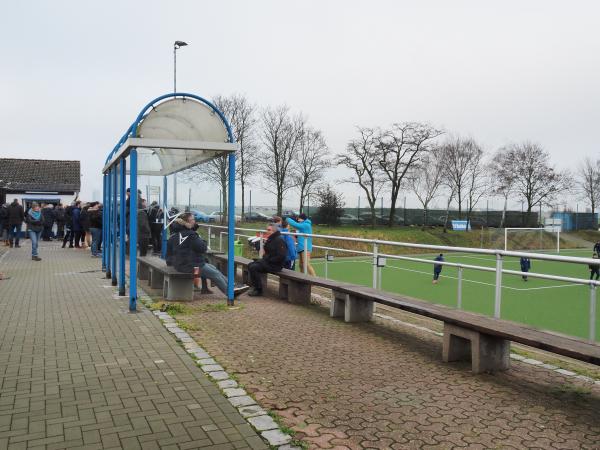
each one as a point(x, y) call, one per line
point(174, 134)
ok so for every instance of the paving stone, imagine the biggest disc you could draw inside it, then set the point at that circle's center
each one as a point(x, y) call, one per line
point(549, 366)
point(212, 368)
point(77, 370)
point(227, 384)
point(242, 401)
point(565, 372)
point(517, 357)
point(219, 375)
point(533, 362)
point(276, 437)
point(205, 361)
point(234, 392)
point(289, 447)
point(251, 411)
point(263, 423)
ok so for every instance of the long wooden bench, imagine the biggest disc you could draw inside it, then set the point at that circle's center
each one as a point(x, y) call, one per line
point(175, 285)
point(467, 336)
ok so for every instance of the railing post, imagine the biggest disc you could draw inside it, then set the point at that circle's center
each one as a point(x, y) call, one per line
point(326, 264)
point(305, 259)
point(592, 334)
point(498, 296)
point(221, 241)
point(379, 274)
point(261, 245)
point(375, 265)
point(459, 294)
point(209, 233)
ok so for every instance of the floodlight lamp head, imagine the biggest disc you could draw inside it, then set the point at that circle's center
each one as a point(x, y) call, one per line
point(179, 44)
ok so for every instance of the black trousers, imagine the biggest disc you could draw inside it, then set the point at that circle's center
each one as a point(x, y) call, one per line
point(60, 230)
point(156, 229)
point(79, 237)
point(595, 272)
point(255, 269)
point(143, 245)
point(69, 238)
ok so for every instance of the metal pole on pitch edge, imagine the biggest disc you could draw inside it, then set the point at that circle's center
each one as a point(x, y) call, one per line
point(498, 296)
point(592, 334)
point(459, 293)
point(305, 260)
point(209, 233)
point(326, 264)
point(375, 253)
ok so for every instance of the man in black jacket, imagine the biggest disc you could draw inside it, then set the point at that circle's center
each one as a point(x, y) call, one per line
point(273, 260)
point(16, 216)
point(186, 250)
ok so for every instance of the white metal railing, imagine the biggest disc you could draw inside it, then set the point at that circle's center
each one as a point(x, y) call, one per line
point(379, 262)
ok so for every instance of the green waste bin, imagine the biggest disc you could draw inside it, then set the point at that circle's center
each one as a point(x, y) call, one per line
point(238, 248)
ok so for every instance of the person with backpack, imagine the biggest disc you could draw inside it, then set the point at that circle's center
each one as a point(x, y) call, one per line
point(525, 266)
point(437, 268)
point(303, 225)
point(35, 226)
point(47, 221)
point(16, 217)
point(290, 242)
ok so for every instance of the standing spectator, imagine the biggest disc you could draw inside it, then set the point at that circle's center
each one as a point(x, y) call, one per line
point(303, 225)
point(273, 260)
point(525, 266)
point(292, 254)
point(69, 236)
point(16, 216)
point(76, 224)
point(4, 223)
point(95, 218)
point(59, 215)
point(155, 216)
point(595, 268)
point(143, 225)
point(84, 220)
point(47, 221)
point(597, 248)
point(35, 226)
point(437, 268)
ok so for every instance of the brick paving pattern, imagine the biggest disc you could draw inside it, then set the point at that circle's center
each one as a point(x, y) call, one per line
point(77, 370)
point(383, 385)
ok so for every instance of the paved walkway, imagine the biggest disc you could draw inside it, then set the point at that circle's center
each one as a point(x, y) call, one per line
point(383, 384)
point(78, 371)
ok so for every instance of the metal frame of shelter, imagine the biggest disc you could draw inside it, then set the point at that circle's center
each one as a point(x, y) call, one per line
point(165, 135)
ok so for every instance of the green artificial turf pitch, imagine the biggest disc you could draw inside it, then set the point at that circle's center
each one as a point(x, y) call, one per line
point(545, 304)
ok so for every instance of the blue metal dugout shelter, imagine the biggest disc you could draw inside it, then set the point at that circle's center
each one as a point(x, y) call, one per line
point(171, 133)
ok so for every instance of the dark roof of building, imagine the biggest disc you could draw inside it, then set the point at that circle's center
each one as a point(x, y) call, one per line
point(41, 175)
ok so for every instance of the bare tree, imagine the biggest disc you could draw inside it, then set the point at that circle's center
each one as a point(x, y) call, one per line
point(462, 161)
point(310, 163)
point(588, 181)
point(401, 147)
point(215, 171)
point(502, 180)
point(281, 136)
point(535, 179)
point(362, 157)
point(427, 180)
point(477, 180)
point(242, 117)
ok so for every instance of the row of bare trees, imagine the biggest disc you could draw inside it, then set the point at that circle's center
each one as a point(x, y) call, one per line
point(279, 151)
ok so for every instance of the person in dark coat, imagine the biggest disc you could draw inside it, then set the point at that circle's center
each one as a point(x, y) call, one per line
point(76, 224)
point(597, 248)
point(525, 266)
point(95, 217)
point(16, 217)
point(70, 234)
point(59, 216)
point(48, 221)
point(84, 220)
point(4, 223)
point(155, 217)
point(143, 225)
point(437, 268)
point(273, 260)
point(186, 251)
point(595, 268)
point(35, 226)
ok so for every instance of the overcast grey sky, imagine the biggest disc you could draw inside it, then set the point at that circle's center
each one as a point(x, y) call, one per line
point(75, 73)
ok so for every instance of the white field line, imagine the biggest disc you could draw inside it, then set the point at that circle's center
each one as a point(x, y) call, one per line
point(449, 276)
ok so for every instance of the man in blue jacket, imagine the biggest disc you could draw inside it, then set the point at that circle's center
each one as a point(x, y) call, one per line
point(525, 266)
point(303, 225)
point(437, 268)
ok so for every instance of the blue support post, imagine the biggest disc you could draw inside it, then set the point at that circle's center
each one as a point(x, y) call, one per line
point(163, 249)
point(104, 221)
point(113, 227)
point(122, 230)
point(231, 230)
point(133, 209)
point(107, 223)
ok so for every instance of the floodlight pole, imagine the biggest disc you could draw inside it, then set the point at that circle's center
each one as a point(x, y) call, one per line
point(176, 46)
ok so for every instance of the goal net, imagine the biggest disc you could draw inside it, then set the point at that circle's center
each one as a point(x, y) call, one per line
point(532, 239)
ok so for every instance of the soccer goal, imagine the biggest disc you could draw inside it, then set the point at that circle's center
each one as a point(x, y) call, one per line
point(532, 239)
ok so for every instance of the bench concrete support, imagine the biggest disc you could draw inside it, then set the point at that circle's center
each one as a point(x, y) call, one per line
point(338, 308)
point(142, 271)
point(487, 353)
point(156, 278)
point(294, 291)
point(178, 288)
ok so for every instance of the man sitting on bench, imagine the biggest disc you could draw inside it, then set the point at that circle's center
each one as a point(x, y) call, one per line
point(186, 250)
point(273, 260)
